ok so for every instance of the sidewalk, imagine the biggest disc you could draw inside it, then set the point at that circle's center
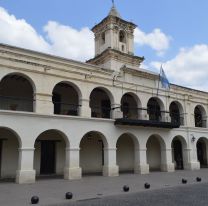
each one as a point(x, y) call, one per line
point(52, 191)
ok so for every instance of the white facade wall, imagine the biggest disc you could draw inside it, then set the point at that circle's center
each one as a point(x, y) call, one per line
point(44, 72)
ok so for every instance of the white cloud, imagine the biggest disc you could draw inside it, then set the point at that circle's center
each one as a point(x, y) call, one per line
point(67, 41)
point(58, 39)
point(157, 40)
point(18, 32)
point(189, 67)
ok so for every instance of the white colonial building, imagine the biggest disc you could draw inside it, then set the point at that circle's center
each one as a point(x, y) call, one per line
point(68, 118)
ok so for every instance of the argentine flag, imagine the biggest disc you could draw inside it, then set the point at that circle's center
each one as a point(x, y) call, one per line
point(163, 79)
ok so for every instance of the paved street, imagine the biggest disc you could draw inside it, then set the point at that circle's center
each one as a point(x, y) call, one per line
point(189, 195)
point(52, 191)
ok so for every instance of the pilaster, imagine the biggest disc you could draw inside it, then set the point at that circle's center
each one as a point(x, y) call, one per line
point(25, 172)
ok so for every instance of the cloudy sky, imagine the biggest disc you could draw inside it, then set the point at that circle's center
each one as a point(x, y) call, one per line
point(172, 33)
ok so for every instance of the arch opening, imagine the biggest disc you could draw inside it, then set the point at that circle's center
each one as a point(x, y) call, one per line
point(9, 154)
point(92, 153)
point(129, 106)
point(16, 93)
point(202, 154)
point(176, 113)
point(154, 146)
point(200, 116)
point(179, 153)
point(65, 99)
point(122, 37)
point(100, 104)
point(125, 154)
point(154, 109)
point(50, 153)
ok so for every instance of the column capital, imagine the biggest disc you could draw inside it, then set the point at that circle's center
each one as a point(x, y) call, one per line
point(110, 148)
point(72, 149)
point(84, 100)
point(26, 149)
point(141, 149)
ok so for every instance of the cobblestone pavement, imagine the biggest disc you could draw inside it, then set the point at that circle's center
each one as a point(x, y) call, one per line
point(52, 191)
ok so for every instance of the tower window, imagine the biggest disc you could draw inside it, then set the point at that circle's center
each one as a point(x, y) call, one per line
point(122, 36)
point(103, 38)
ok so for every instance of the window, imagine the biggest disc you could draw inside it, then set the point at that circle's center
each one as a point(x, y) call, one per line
point(122, 36)
point(103, 38)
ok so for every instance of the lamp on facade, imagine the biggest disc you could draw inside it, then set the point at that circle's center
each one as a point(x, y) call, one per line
point(193, 138)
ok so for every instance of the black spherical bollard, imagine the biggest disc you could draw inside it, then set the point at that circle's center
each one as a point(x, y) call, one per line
point(34, 200)
point(125, 188)
point(146, 185)
point(184, 181)
point(198, 179)
point(69, 195)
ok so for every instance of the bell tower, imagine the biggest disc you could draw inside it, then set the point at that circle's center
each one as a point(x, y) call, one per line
point(114, 43)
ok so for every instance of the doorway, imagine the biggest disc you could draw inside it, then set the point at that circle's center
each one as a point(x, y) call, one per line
point(48, 152)
point(202, 153)
point(178, 154)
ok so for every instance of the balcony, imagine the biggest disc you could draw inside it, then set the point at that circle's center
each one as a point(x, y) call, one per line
point(146, 118)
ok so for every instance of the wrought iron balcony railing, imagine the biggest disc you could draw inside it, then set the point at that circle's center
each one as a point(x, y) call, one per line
point(101, 112)
point(201, 123)
point(64, 108)
point(16, 103)
point(146, 117)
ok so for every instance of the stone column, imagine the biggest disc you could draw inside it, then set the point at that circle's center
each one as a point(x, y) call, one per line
point(116, 112)
point(110, 168)
point(143, 114)
point(190, 159)
point(189, 113)
point(140, 165)
point(166, 161)
point(72, 169)
point(85, 110)
point(25, 172)
point(43, 104)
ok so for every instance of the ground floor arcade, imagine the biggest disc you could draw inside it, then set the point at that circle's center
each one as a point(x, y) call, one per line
point(53, 155)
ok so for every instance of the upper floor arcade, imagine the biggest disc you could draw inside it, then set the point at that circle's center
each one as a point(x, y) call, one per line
point(44, 93)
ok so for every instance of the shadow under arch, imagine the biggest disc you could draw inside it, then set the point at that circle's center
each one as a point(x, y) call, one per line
point(17, 92)
point(50, 153)
point(29, 79)
point(66, 98)
point(179, 154)
point(126, 155)
point(176, 112)
point(92, 152)
point(10, 142)
point(131, 106)
point(155, 109)
point(101, 100)
point(202, 151)
point(200, 116)
point(155, 146)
